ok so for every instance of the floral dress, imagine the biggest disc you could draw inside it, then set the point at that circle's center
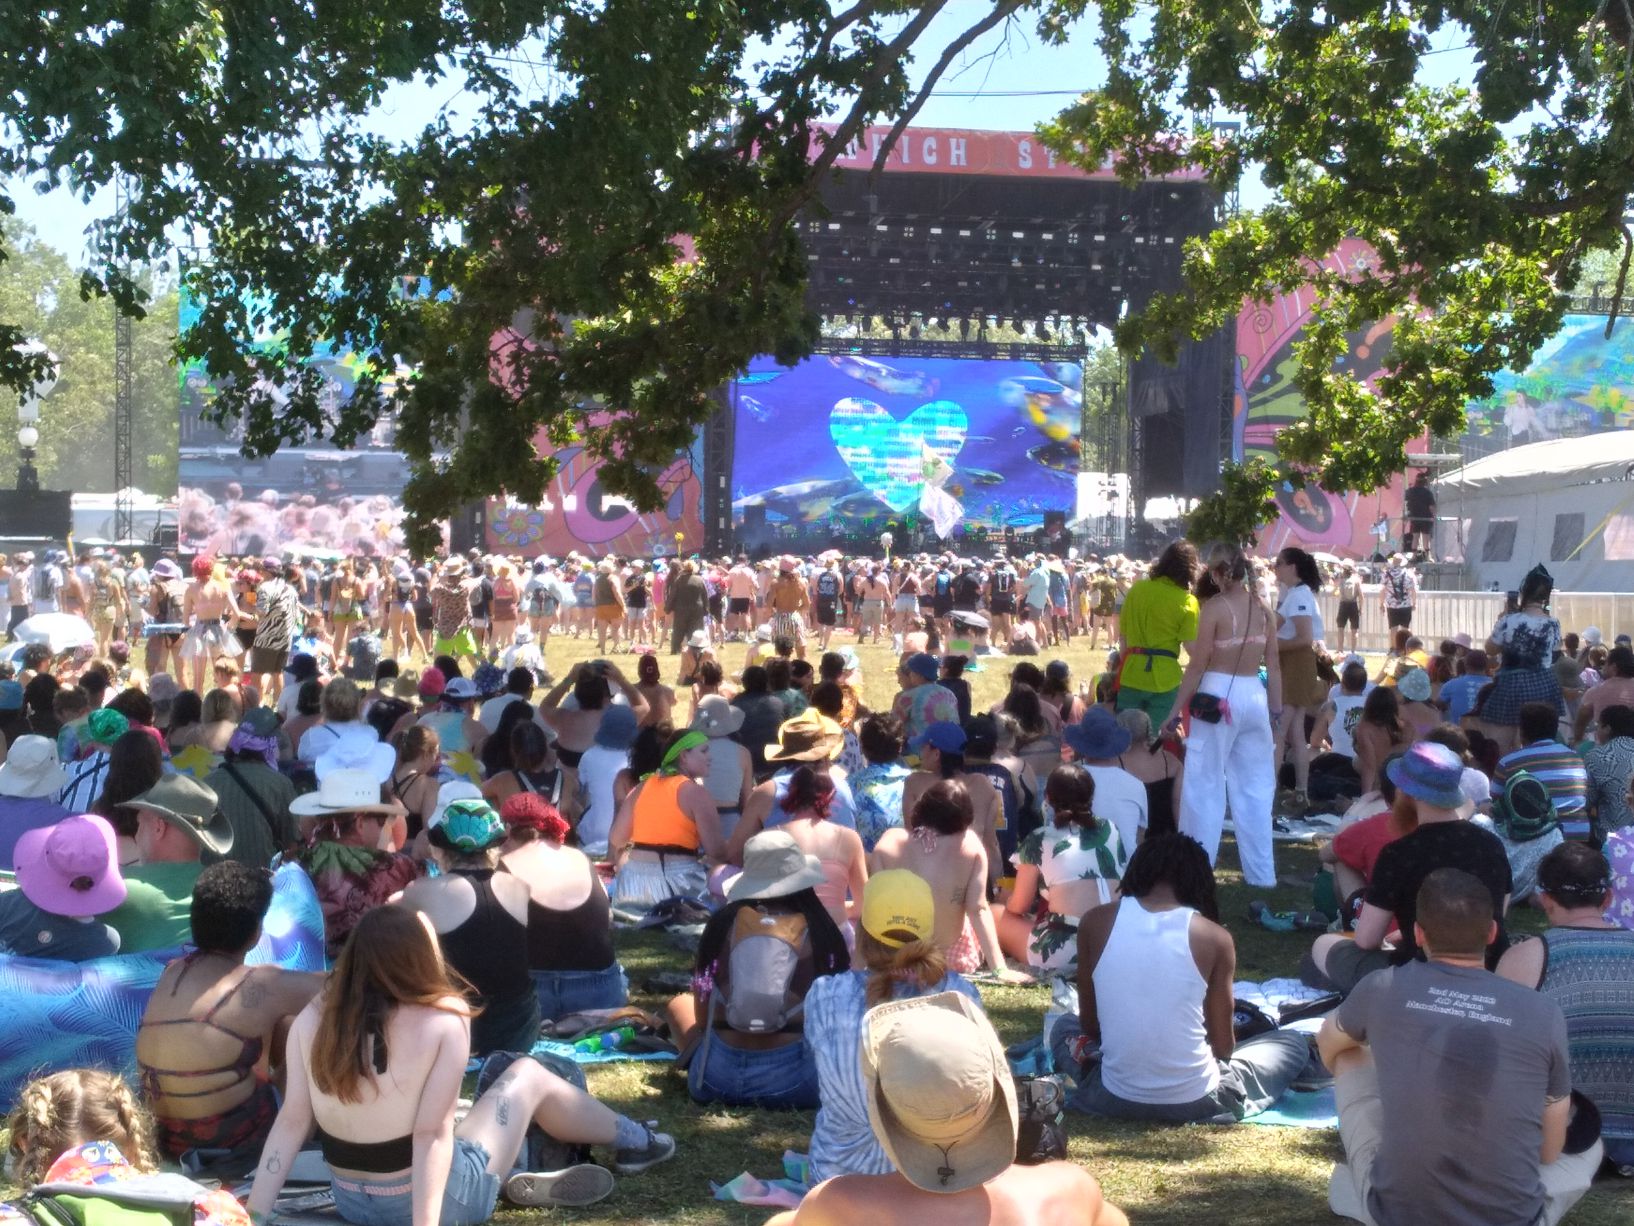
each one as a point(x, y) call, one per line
point(1529, 643)
point(1062, 854)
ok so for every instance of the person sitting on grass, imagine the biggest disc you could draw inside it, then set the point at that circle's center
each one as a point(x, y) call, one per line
point(177, 821)
point(1155, 973)
point(1074, 865)
point(1585, 964)
point(1427, 808)
point(942, 1104)
point(66, 875)
point(1453, 1084)
point(213, 1029)
point(87, 1127)
point(375, 1068)
point(741, 1028)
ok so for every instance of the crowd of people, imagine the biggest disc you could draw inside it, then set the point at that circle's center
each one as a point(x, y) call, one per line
point(474, 827)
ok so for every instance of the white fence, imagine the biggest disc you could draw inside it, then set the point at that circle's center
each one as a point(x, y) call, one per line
point(1440, 615)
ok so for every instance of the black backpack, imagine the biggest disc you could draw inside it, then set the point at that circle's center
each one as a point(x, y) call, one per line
point(1004, 582)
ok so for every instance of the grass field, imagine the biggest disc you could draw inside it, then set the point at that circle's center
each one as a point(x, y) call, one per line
point(1161, 1176)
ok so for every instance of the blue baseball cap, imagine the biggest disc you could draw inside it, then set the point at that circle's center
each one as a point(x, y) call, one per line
point(925, 665)
point(944, 735)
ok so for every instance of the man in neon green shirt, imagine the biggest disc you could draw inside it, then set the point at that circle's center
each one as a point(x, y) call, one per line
point(1159, 614)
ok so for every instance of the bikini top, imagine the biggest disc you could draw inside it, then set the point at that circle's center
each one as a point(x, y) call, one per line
point(1236, 640)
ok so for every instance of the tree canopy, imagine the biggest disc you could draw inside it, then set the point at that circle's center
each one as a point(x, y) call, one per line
point(555, 213)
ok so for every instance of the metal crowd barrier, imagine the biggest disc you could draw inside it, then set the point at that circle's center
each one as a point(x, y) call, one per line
point(1440, 615)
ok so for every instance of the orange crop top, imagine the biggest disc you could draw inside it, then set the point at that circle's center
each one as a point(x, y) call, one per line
point(659, 820)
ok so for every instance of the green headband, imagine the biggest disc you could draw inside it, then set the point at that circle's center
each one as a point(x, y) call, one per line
point(689, 740)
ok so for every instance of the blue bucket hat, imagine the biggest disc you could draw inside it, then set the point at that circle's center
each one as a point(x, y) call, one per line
point(617, 729)
point(1431, 773)
point(489, 680)
point(1097, 735)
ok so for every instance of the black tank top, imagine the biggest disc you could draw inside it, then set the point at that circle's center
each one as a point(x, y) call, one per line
point(576, 940)
point(487, 949)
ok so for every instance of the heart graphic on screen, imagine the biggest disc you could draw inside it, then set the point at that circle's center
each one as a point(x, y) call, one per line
point(888, 455)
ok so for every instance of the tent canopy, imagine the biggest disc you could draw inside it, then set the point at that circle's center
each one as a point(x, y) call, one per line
point(1541, 468)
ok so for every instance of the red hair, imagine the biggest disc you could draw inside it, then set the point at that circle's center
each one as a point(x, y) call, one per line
point(808, 792)
point(202, 565)
point(530, 811)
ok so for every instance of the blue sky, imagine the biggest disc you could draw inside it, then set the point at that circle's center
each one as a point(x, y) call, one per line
point(1006, 84)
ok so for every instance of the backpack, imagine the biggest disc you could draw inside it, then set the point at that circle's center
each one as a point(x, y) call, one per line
point(147, 1200)
point(944, 584)
point(1004, 582)
point(1398, 586)
point(766, 972)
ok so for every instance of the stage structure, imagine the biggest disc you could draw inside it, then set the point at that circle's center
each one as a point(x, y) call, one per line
point(960, 288)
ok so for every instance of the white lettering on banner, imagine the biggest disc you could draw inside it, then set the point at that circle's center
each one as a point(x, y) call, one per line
point(956, 151)
point(1024, 155)
point(927, 151)
point(1051, 159)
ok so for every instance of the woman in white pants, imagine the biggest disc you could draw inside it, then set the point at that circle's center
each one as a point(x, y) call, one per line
point(1231, 757)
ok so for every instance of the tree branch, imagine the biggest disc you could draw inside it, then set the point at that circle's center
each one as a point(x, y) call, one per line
point(1000, 14)
point(1622, 279)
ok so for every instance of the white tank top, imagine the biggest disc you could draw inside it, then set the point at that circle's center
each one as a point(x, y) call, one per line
point(1347, 713)
point(1149, 998)
point(725, 778)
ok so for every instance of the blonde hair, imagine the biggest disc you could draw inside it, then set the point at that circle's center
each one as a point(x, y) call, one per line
point(220, 705)
point(919, 964)
point(53, 1114)
point(341, 702)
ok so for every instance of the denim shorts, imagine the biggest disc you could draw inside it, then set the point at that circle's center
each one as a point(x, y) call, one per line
point(780, 1078)
point(470, 1197)
point(564, 992)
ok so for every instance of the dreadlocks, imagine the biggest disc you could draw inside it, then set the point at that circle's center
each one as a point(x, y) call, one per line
point(1178, 861)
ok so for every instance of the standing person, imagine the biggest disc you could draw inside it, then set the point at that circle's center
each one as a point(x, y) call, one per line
point(638, 605)
point(875, 591)
point(1159, 614)
point(20, 590)
point(1398, 593)
point(277, 604)
point(1529, 638)
point(107, 604)
point(506, 607)
point(827, 587)
point(1229, 743)
point(788, 601)
point(375, 1069)
point(1453, 1084)
point(451, 610)
point(608, 596)
point(208, 607)
point(402, 629)
point(1350, 606)
point(1155, 973)
point(740, 599)
point(1001, 599)
point(1418, 516)
point(1299, 630)
point(686, 600)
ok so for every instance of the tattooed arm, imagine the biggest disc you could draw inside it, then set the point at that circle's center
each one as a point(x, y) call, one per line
point(292, 1127)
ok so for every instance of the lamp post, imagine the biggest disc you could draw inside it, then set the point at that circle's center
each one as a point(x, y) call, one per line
point(28, 415)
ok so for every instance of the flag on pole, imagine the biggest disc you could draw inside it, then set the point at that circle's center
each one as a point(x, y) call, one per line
point(937, 505)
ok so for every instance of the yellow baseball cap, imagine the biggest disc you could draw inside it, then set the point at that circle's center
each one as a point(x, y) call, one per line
point(897, 907)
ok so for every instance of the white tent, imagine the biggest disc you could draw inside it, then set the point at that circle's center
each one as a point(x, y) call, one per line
point(1568, 503)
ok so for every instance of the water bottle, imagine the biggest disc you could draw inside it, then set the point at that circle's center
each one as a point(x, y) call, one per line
point(607, 1040)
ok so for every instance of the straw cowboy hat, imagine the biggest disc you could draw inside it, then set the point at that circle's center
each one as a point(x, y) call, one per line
point(344, 791)
point(808, 737)
point(941, 1097)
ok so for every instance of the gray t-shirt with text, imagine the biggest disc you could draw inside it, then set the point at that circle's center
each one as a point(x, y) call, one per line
point(1465, 1061)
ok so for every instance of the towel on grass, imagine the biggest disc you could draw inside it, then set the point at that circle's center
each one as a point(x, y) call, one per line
point(784, 1193)
point(1300, 1109)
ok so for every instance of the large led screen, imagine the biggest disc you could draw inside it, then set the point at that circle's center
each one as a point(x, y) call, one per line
point(848, 440)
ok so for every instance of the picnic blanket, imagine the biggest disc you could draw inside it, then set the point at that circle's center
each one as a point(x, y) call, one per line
point(784, 1193)
point(1308, 829)
point(1296, 1108)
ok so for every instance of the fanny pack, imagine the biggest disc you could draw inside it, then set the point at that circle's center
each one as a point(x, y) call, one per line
point(1208, 708)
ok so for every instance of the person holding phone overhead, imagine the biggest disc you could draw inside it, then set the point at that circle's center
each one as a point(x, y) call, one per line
point(1228, 716)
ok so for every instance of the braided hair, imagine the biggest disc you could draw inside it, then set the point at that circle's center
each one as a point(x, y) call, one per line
point(74, 1107)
